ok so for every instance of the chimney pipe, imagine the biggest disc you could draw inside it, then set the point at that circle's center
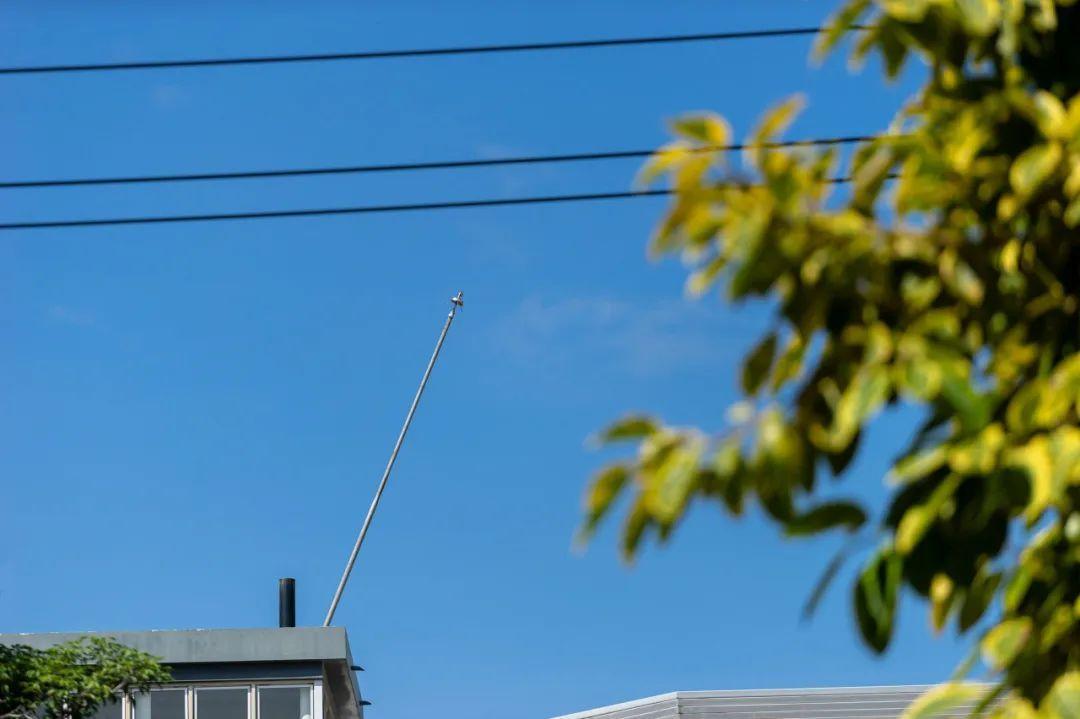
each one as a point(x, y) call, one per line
point(287, 602)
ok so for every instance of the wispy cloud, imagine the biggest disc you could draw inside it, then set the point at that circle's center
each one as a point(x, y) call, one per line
point(512, 179)
point(168, 97)
point(493, 243)
point(641, 337)
point(72, 316)
point(490, 150)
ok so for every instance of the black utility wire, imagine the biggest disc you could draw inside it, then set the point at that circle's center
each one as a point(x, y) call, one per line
point(361, 210)
point(428, 52)
point(408, 166)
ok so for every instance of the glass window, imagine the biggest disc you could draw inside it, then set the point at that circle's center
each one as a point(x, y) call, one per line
point(110, 710)
point(284, 702)
point(160, 704)
point(225, 703)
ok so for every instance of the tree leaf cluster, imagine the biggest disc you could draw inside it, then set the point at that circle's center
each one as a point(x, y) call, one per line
point(944, 275)
point(71, 680)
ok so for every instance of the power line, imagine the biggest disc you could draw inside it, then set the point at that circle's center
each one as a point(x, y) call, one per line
point(361, 210)
point(408, 166)
point(422, 52)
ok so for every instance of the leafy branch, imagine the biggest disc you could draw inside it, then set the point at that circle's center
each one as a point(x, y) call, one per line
point(946, 277)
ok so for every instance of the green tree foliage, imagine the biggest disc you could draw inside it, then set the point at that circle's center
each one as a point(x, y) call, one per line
point(945, 275)
point(71, 680)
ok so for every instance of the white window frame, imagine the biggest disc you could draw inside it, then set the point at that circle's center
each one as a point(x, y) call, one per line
point(189, 709)
point(287, 684)
point(196, 688)
point(191, 689)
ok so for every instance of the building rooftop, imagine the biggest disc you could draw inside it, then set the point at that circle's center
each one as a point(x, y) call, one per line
point(835, 703)
point(199, 655)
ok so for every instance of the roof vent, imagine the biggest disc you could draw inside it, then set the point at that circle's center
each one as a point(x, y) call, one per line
point(287, 602)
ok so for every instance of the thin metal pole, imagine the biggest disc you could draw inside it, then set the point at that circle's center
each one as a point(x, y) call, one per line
point(455, 302)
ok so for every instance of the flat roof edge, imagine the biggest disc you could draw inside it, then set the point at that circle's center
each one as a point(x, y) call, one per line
point(806, 691)
point(201, 646)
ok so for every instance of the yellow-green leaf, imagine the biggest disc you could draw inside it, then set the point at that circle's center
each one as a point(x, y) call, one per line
point(919, 465)
point(1023, 408)
point(919, 292)
point(943, 700)
point(1072, 180)
point(668, 485)
point(1035, 460)
point(1002, 643)
point(664, 160)
point(966, 284)
point(756, 366)
point(726, 465)
point(979, 454)
point(1051, 115)
point(789, 362)
point(1072, 213)
point(838, 25)
point(980, 17)
point(706, 128)
point(777, 119)
point(941, 600)
point(1065, 449)
point(701, 280)
point(917, 519)
point(1045, 17)
point(861, 400)
point(1063, 699)
point(632, 427)
point(1034, 167)
point(1017, 587)
point(1066, 376)
point(980, 592)
point(605, 487)
point(637, 521)
point(919, 377)
point(1057, 628)
point(879, 343)
point(940, 323)
point(875, 598)
point(726, 460)
point(1013, 707)
point(907, 10)
point(826, 516)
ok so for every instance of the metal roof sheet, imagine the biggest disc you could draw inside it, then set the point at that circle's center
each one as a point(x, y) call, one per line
point(886, 702)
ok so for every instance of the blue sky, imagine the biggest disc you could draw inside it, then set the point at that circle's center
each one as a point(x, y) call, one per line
point(188, 412)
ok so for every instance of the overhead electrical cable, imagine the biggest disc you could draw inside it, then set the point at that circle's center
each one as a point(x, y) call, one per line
point(360, 210)
point(413, 53)
point(407, 166)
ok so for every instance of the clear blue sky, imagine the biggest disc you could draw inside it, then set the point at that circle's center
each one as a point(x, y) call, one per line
point(188, 412)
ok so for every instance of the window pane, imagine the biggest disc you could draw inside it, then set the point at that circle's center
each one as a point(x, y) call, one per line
point(221, 703)
point(159, 704)
point(110, 710)
point(284, 703)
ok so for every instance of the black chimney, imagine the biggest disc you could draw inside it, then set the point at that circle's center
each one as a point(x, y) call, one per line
point(287, 602)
